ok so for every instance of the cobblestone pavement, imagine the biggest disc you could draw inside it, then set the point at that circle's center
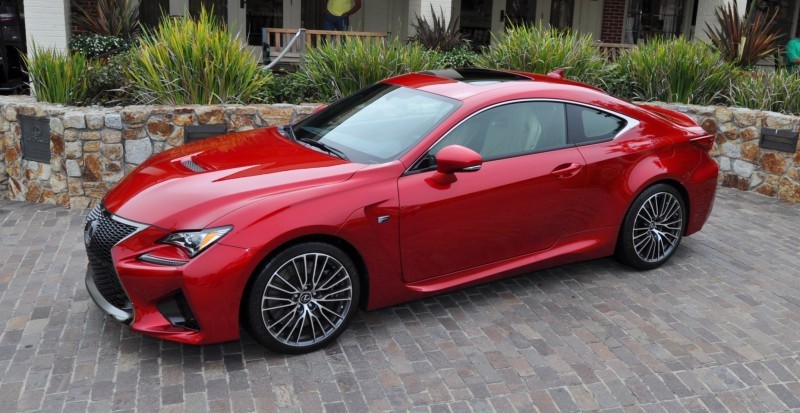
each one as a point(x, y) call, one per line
point(716, 329)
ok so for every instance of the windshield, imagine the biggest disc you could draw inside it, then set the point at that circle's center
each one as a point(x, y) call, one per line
point(376, 124)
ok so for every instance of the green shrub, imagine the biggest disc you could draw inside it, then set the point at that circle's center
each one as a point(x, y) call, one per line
point(93, 45)
point(674, 70)
point(538, 49)
point(338, 69)
point(186, 60)
point(107, 83)
point(777, 91)
point(461, 56)
point(57, 77)
point(294, 87)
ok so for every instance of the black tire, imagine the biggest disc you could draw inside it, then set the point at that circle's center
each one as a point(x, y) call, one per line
point(653, 228)
point(311, 290)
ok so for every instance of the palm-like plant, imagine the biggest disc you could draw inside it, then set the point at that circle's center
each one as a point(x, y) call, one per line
point(743, 41)
point(109, 17)
point(438, 35)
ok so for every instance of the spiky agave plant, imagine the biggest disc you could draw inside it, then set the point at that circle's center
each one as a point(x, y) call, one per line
point(743, 41)
point(109, 18)
point(437, 34)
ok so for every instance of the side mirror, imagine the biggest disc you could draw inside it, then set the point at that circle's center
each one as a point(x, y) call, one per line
point(455, 158)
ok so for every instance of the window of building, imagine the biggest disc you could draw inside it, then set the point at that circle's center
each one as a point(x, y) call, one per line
point(648, 18)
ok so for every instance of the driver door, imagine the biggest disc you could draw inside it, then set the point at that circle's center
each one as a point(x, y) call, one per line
point(519, 202)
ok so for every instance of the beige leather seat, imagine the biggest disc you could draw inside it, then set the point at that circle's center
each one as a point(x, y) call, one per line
point(514, 129)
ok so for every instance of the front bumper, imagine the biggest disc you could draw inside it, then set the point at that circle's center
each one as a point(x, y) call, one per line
point(118, 314)
point(194, 303)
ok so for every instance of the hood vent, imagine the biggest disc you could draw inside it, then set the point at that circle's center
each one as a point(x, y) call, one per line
point(189, 164)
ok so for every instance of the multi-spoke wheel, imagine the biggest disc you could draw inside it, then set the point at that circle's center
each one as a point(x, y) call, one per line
point(304, 298)
point(653, 227)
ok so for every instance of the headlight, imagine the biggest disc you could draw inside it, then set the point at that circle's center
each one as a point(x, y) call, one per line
point(194, 242)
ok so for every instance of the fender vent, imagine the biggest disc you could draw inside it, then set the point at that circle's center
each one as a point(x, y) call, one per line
point(189, 164)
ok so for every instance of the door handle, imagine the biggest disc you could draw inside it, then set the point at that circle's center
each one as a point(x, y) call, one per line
point(566, 170)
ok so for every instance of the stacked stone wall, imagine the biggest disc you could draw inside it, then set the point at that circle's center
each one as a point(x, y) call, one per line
point(93, 148)
point(743, 164)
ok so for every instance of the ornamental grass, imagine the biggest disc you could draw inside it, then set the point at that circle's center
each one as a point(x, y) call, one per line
point(539, 49)
point(57, 77)
point(674, 70)
point(338, 69)
point(195, 61)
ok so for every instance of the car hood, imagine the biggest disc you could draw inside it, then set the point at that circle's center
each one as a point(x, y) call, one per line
point(192, 185)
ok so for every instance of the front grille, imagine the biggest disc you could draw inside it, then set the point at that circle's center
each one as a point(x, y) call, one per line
point(104, 233)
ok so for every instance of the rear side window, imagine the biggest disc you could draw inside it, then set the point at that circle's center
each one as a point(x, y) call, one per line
point(587, 125)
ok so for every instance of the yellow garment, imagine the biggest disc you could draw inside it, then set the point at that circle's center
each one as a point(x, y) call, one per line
point(339, 7)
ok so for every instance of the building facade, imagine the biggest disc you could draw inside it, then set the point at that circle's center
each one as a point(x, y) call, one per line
point(47, 22)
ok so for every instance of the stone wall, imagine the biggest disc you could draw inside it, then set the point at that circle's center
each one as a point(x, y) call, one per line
point(93, 148)
point(743, 164)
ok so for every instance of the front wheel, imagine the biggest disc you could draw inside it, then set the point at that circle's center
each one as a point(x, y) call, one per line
point(303, 298)
point(653, 228)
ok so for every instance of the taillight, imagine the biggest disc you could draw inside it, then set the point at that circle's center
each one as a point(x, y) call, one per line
point(704, 142)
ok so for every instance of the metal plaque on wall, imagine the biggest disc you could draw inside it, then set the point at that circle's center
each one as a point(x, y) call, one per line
point(35, 138)
point(198, 132)
point(778, 139)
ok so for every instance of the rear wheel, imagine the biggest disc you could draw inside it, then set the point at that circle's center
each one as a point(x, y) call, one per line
point(653, 228)
point(303, 298)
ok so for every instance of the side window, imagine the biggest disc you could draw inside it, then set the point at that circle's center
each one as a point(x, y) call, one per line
point(590, 125)
point(509, 130)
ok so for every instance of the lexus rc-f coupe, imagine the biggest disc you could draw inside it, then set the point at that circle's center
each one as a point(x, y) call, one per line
point(417, 185)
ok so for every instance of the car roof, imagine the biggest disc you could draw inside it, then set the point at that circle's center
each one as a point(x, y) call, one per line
point(469, 83)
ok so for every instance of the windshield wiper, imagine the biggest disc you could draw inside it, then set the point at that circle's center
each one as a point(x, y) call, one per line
point(327, 148)
point(288, 131)
point(311, 142)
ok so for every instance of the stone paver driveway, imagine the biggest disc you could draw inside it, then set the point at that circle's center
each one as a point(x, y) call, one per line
point(717, 329)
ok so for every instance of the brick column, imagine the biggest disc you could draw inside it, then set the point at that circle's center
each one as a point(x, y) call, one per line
point(47, 23)
point(613, 21)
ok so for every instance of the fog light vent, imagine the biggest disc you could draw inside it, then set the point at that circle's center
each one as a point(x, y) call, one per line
point(176, 310)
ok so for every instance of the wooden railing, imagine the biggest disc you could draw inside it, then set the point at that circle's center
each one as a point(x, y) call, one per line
point(612, 50)
point(277, 40)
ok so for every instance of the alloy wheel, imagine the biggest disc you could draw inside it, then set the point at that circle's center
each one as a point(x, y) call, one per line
point(657, 227)
point(307, 299)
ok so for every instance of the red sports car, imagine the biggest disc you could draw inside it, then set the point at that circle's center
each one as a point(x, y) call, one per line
point(417, 185)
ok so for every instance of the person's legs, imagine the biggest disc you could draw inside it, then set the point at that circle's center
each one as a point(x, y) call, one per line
point(329, 22)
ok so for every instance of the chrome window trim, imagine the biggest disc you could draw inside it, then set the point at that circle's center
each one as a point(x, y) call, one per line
point(632, 123)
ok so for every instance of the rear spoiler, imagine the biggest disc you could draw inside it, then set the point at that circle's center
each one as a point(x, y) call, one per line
point(680, 119)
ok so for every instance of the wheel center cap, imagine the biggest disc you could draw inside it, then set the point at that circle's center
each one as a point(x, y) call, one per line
point(305, 298)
